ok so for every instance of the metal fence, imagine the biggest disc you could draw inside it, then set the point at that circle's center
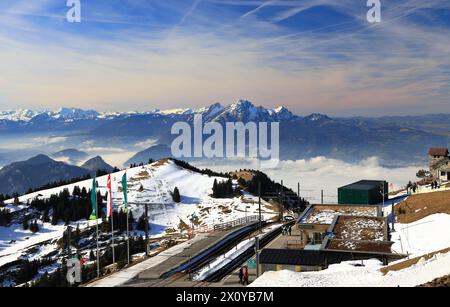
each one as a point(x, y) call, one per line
point(228, 225)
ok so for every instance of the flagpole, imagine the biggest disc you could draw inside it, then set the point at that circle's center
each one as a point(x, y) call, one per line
point(112, 233)
point(125, 203)
point(98, 255)
point(128, 235)
point(110, 206)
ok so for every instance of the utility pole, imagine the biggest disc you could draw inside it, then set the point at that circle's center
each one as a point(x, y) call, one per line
point(392, 206)
point(69, 251)
point(322, 197)
point(257, 255)
point(282, 200)
point(146, 230)
point(259, 204)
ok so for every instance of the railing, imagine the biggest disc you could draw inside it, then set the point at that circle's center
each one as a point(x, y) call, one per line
point(228, 225)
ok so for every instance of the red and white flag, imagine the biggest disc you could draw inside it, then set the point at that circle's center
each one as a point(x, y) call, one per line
point(109, 208)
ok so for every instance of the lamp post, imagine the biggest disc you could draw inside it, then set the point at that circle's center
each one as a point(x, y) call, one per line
point(383, 193)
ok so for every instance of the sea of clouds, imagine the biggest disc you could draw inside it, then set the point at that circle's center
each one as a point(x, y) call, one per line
point(323, 173)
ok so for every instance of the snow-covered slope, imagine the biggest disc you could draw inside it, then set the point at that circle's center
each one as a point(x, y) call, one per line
point(151, 183)
point(347, 274)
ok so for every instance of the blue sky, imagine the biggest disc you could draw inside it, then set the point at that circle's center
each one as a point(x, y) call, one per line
point(309, 55)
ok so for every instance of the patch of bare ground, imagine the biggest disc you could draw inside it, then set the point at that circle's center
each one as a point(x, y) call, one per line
point(410, 262)
point(441, 282)
point(161, 162)
point(419, 206)
point(246, 175)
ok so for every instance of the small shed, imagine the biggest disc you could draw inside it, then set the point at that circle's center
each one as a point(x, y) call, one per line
point(364, 192)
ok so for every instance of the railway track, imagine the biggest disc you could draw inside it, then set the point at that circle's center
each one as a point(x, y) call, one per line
point(243, 257)
point(208, 255)
point(181, 272)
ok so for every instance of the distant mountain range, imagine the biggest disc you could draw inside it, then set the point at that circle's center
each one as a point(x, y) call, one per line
point(396, 140)
point(40, 170)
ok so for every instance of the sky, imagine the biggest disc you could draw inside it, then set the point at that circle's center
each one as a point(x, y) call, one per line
point(308, 55)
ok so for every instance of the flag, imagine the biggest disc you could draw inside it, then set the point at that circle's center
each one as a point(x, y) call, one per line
point(94, 200)
point(109, 207)
point(124, 189)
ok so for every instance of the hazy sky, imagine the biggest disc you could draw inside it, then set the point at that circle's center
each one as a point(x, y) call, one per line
point(309, 55)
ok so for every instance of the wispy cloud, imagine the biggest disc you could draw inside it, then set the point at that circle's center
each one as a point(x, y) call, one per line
point(145, 54)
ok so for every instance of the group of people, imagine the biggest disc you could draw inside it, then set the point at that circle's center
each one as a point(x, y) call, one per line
point(287, 230)
point(411, 187)
point(243, 276)
point(434, 185)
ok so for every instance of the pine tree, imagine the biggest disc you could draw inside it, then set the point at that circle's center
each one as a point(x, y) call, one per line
point(176, 195)
point(141, 225)
point(34, 226)
point(91, 256)
point(5, 217)
point(54, 219)
point(25, 225)
point(16, 199)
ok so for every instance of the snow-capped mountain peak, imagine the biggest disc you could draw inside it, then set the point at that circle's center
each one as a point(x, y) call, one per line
point(74, 114)
point(17, 115)
point(282, 113)
point(242, 110)
point(211, 111)
point(315, 117)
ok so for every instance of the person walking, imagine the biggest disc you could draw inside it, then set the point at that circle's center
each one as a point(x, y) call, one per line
point(245, 276)
point(241, 276)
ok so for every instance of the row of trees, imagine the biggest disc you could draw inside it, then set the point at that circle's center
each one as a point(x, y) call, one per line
point(205, 171)
point(33, 226)
point(223, 189)
point(272, 188)
point(66, 207)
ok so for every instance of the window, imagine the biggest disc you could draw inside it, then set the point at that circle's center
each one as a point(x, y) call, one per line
point(443, 173)
point(318, 238)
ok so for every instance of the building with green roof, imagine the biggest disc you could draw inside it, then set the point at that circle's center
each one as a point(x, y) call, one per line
point(364, 192)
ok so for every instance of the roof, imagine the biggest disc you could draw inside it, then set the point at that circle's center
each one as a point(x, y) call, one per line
point(364, 185)
point(359, 234)
point(325, 214)
point(438, 151)
point(372, 247)
point(360, 228)
point(300, 257)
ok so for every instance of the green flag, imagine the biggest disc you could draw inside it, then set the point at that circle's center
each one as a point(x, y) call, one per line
point(124, 189)
point(94, 200)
